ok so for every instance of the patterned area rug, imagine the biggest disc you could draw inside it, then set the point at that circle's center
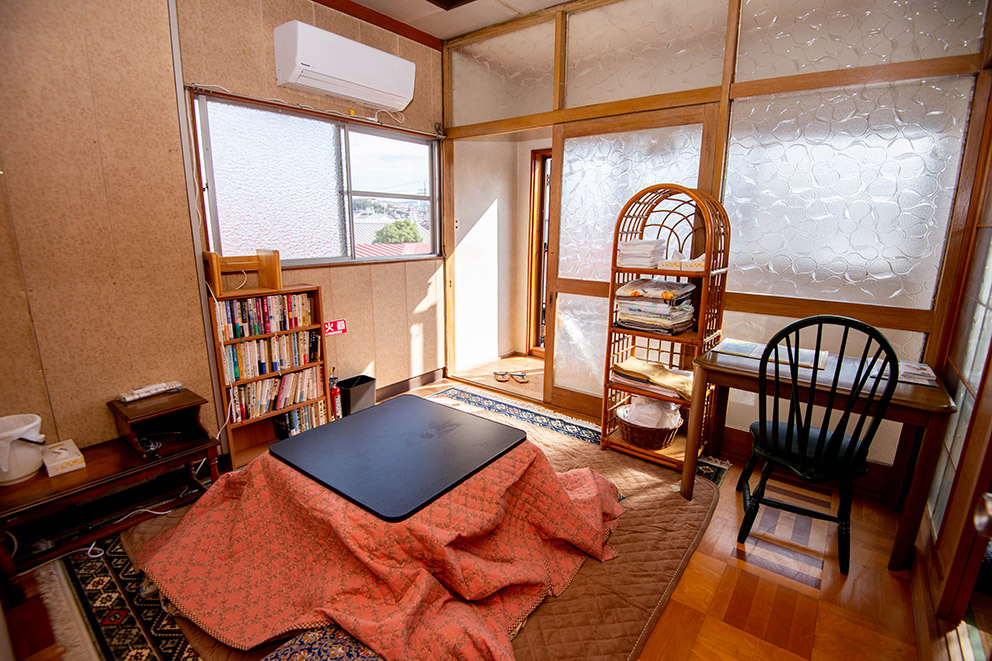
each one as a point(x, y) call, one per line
point(712, 469)
point(123, 618)
point(100, 608)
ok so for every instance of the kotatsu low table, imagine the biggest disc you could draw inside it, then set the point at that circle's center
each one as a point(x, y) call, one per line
point(396, 458)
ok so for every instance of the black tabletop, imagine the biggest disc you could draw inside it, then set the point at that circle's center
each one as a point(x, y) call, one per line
point(396, 458)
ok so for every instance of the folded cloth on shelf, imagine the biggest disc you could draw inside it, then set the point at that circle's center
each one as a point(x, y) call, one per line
point(669, 377)
point(654, 306)
point(656, 288)
point(641, 253)
point(648, 386)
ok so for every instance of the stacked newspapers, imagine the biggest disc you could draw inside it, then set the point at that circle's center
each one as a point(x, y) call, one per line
point(655, 305)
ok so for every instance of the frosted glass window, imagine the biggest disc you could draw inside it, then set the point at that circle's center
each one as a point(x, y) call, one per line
point(638, 48)
point(845, 194)
point(788, 37)
point(580, 342)
point(600, 173)
point(508, 75)
point(950, 451)
point(277, 182)
point(280, 180)
point(974, 332)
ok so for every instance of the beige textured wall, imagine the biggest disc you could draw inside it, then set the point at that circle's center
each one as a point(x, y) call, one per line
point(394, 311)
point(96, 221)
point(228, 43)
point(96, 253)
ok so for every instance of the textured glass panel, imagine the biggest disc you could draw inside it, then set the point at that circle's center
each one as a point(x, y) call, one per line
point(600, 173)
point(787, 37)
point(277, 182)
point(974, 332)
point(386, 165)
point(580, 343)
point(507, 75)
point(845, 193)
point(742, 409)
point(940, 490)
point(388, 227)
point(637, 48)
point(960, 426)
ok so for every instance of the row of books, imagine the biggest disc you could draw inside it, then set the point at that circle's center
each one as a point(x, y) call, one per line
point(255, 399)
point(299, 420)
point(252, 358)
point(263, 315)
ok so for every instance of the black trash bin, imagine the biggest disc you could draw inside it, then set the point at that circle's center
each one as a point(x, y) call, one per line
point(357, 393)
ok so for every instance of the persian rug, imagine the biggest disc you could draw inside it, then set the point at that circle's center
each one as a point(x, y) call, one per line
point(710, 468)
point(126, 619)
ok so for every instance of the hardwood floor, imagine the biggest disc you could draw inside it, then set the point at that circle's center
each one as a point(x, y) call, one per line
point(780, 595)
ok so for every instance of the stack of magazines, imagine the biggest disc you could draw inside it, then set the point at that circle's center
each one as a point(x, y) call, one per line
point(656, 306)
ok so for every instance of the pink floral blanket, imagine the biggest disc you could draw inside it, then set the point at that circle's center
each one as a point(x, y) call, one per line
point(267, 551)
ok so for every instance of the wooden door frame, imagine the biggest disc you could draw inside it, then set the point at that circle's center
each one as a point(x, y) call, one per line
point(536, 270)
point(706, 115)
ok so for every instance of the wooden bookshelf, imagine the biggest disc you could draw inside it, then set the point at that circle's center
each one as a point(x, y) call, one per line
point(270, 356)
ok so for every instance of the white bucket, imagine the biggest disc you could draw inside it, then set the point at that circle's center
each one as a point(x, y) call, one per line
point(19, 460)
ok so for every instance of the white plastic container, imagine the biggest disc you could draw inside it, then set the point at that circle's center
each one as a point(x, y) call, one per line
point(19, 460)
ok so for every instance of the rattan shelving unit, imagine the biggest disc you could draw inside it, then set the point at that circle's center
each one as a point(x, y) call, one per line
point(696, 225)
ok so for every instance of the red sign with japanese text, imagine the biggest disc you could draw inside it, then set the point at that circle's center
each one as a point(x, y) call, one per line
point(335, 327)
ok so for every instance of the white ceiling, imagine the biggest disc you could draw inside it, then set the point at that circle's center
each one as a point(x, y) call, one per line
point(442, 24)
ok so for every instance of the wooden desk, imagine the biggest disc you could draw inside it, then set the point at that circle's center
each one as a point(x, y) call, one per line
point(923, 410)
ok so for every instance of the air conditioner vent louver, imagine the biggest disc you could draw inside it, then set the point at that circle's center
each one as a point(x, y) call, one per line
point(311, 59)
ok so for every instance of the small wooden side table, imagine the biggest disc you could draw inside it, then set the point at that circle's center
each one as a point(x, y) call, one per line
point(120, 485)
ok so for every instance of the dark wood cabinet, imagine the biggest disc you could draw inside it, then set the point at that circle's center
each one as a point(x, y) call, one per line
point(121, 484)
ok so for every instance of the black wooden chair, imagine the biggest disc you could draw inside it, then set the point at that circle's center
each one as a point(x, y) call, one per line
point(827, 442)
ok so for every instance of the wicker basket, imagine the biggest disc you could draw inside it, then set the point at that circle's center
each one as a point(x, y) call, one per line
point(647, 438)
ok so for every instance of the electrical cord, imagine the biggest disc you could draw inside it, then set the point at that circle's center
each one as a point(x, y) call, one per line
point(398, 117)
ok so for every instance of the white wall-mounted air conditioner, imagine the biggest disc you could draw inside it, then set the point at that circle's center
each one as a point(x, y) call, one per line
point(308, 58)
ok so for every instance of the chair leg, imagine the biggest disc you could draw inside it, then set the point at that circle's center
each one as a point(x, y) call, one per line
point(754, 502)
point(844, 526)
point(746, 473)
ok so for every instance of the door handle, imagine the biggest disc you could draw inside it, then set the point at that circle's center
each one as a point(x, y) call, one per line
point(983, 515)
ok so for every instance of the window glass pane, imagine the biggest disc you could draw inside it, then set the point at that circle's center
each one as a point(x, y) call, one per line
point(580, 342)
point(845, 194)
point(950, 452)
point(788, 37)
point(277, 182)
point(507, 75)
point(974, 332)
point(386, 165)
point(600, 173)
point(637, 48)
point(387, 227)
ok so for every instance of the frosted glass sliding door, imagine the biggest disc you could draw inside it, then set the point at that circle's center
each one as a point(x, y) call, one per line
point(601, 166)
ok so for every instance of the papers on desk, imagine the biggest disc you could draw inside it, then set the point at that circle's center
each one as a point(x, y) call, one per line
point(918, 374)
point(754, 350)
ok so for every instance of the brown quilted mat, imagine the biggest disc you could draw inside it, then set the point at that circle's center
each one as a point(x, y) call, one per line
point(610, 608)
